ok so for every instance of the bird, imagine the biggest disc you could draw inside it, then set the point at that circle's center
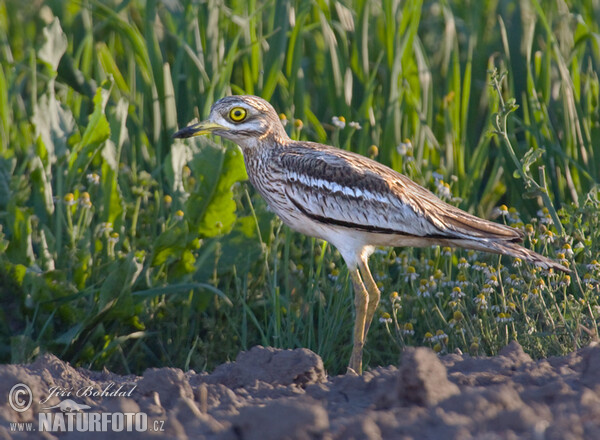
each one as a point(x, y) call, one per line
point(354, 203)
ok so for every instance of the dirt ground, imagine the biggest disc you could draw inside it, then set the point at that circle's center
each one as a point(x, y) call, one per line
point(286, 394)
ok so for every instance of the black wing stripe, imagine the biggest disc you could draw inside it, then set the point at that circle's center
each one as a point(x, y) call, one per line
point(360, 227)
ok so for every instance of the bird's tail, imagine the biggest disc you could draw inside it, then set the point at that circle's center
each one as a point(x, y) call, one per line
point(514, 250)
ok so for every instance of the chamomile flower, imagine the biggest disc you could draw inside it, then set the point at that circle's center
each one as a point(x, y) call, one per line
point(385, 318)
point(407, 329)
point(339, 121)
point(463, 263)
point(411, 274)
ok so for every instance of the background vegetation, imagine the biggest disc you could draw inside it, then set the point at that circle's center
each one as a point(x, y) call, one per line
point(123, 248)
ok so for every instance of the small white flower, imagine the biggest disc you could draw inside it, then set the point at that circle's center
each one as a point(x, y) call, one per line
point(105, 227)
point(443, 190)
point(593, 266)
point(355, 125)
point(501, 210)
point(487, 289)
point(548, 236)
point(457, 293)
point(481, 302)
point(404, 148)
point(339, 121)
point(93, 178)
point(411, 274)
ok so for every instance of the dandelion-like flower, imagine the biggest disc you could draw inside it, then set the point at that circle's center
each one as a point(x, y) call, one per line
point(447, 251)
point(298, 124)
point(429, 337)
point(179, 215)
point(167, 199)
point(373, 151)
point(339, 121)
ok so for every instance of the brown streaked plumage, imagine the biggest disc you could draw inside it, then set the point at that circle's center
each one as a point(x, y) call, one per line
point(351, 201)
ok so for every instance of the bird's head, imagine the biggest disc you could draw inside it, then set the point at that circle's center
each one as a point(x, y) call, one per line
point(243, 119)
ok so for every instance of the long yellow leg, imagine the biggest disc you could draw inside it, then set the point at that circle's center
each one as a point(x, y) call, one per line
point(360, 304)
point(372, 290)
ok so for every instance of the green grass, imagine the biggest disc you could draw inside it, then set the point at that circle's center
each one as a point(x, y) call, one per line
point(123, 248)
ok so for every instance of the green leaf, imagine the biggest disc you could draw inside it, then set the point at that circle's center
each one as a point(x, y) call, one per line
point(20, 248)
point(121, 276)
point(96, 132)
point(54, 124)
point(55, 45)
point(41, 186)
point(211, 208)
point(531, 157)
point(169, 245)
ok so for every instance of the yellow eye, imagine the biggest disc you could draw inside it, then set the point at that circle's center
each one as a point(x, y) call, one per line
point(238, 114)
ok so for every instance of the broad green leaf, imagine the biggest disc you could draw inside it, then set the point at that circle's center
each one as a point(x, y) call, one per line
point(20, 248)
point(96, 132)
point(122, 274)
point(110, 67)
point(55, 45)
point(7, 167)
point(169, 245)
point(54, 124)
point(177, 157)
point(211, 208)
point(41, 186)
point(113, 204)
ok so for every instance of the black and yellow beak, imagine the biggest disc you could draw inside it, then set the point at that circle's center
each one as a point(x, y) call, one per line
point(204, 127)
